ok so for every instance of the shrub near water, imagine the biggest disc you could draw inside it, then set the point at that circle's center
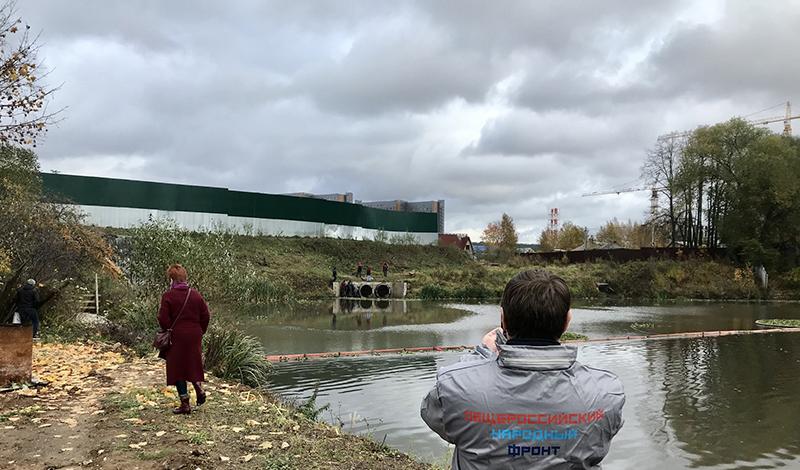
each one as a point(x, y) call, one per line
point(230, 354)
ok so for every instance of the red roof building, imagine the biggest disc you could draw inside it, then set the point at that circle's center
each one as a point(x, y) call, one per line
point(458, 240)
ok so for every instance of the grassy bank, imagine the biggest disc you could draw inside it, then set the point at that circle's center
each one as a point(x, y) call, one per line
point(107, 408)
point(303, 266)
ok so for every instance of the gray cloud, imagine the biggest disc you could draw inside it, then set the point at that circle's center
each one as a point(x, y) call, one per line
point(511, 107)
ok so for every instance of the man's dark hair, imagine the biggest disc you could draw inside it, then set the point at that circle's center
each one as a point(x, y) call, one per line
point(535, 305)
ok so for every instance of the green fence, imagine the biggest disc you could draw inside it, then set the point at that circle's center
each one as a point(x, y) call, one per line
point(110, 192)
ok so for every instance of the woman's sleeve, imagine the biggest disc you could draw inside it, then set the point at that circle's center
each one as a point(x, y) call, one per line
point(204, 315)
point(164, 321)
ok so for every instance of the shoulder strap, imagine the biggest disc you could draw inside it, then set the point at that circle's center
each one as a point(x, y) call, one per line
point(181, 310)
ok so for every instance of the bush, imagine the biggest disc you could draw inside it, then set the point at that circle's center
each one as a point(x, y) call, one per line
point(208, 257)
point(230, 354)
point(792, 279)
point(135, 325)
point(433, 292)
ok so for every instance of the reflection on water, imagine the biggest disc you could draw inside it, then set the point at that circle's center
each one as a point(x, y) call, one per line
point(719, 403)
point(347, 325)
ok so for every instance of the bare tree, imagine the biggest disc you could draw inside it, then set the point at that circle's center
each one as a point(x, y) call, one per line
point(661, 171)
point(24, 97)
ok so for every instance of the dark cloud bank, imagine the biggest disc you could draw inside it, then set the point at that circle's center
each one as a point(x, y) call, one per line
point(499, 106)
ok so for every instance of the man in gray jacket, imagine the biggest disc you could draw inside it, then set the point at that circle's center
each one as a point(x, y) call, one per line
point(521, 400)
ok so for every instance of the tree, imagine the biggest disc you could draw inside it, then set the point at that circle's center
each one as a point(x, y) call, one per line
point(24, 97)
point(40, 239)
point(568, 237)
point(628, 234)
point(501, 234)
point(572, 236)
point(661, 171)
point(611, 232)
point(761, 223)
point(548, 239)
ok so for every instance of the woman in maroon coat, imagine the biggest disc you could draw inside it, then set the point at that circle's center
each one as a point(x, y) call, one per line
point(185, 356)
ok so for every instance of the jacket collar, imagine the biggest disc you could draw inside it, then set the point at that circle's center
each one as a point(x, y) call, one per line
point(536, 357)
point(532, 342)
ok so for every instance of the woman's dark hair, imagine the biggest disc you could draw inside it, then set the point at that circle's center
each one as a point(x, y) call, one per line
point(535, 305)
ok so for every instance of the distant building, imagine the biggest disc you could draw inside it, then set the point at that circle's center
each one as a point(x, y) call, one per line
point(528, 247)
point(435, 207)
point(458, 240)
point(338, 197)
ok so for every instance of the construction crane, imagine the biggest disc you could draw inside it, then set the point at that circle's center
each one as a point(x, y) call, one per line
point(787, 119)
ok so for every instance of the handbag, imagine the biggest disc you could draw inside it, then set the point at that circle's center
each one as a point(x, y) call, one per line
point(17, 320)
point(163, 339)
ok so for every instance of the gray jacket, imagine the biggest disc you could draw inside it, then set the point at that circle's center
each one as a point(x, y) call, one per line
point(526, 407)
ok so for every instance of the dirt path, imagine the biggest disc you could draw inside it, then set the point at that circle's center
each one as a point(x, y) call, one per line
point(104, 409)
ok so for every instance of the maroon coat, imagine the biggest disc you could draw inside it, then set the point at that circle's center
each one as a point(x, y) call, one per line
point(185, 356)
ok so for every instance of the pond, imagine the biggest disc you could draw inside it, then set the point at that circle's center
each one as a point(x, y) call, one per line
point(691, 403)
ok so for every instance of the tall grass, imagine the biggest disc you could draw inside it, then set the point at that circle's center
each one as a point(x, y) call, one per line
point(231, 354)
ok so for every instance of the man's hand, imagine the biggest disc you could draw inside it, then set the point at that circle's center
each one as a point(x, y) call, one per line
point(490, 339)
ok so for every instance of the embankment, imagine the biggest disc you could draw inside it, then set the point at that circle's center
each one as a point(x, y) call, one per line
point(304, 266)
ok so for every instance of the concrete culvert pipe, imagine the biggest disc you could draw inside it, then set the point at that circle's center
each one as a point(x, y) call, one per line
point(366, 290)
point(382, 291)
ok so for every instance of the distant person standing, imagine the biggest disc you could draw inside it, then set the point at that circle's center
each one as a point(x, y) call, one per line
point(385, 269)
point(359, 268)
point(28, 302)
point(335, 274)
point(369, 270)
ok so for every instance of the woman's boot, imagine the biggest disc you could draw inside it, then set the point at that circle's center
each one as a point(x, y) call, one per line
point(185, 408)
point(201, 395)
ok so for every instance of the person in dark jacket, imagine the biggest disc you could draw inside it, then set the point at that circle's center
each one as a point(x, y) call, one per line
point(185, 311)
point(385, 269)
point(28, 302)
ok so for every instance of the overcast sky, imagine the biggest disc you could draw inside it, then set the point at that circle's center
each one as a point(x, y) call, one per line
point(495, 107)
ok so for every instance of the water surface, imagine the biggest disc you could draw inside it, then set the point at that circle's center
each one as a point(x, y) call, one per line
point(720, 403)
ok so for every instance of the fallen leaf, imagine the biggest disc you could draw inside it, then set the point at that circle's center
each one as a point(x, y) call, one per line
point(296, 427)
point(67, 449)
point(46, 425)
point(223, 458)
point(252, 437)
point(247, 458)
point(71, 422)
point(160, 433)
point(284, 445)
point(237, 430)
point(120, 436)
point(252, 422)
point(266, 445)
point(9, 427)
